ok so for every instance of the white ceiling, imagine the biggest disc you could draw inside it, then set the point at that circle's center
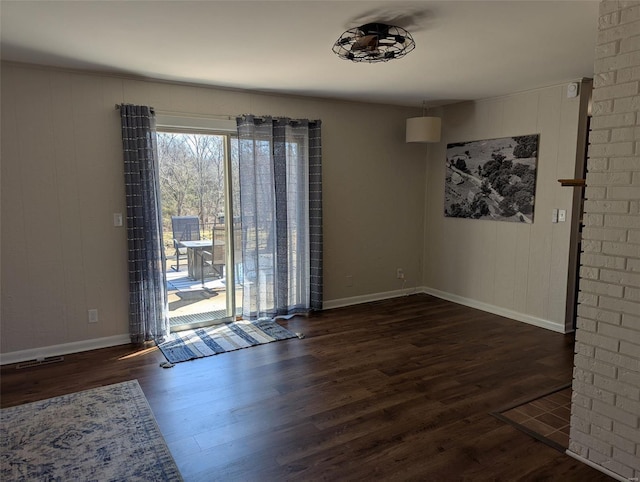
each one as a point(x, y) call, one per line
point(464, 49)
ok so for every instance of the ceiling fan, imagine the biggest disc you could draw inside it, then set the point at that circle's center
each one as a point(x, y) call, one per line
point(374, 42)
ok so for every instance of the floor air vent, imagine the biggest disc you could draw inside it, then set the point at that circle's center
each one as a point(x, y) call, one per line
point(40, 361)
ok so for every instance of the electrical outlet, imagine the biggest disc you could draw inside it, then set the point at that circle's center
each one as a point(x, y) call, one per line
point(349, 280)
point(399, 273)
point(117, 219)
point(554, 215)
point(93, 316)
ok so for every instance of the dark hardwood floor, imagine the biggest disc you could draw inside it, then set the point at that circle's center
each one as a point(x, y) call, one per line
point(393, 390)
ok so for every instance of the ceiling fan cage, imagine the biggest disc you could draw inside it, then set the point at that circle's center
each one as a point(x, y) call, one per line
point(374, 42)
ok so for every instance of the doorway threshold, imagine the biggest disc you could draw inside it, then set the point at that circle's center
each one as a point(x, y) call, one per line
point(196, 318)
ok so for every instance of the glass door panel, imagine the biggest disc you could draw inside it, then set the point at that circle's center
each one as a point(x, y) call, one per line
point(195, 186)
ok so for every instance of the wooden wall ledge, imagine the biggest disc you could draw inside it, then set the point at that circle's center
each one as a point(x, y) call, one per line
point(572, 182)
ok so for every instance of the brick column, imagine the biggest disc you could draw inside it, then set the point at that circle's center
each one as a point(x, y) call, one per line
point(605, 415)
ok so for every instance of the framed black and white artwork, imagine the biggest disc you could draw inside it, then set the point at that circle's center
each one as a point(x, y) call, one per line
point(492, 179)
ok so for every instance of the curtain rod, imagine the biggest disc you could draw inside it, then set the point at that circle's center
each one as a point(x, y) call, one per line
point(192, 115)
point(187, 114)
point(218, 116)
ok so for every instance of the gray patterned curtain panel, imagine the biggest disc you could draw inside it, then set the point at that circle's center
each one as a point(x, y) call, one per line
point(280, 177)
point(148, 309)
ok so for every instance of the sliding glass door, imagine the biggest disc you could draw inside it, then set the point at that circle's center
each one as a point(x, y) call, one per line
point(196, 184)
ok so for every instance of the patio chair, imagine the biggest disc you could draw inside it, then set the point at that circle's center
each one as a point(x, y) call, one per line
point(215, 258)
point(185, 228)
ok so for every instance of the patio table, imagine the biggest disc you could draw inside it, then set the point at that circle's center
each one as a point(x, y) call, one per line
point(194, 254)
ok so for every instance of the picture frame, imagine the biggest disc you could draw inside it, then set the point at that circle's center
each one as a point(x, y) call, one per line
point(492, 179)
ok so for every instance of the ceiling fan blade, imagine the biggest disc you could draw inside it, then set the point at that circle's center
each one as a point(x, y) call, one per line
point(366, 42)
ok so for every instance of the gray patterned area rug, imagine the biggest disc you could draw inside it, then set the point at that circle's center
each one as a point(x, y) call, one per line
point(213, 340)
point(107, 433)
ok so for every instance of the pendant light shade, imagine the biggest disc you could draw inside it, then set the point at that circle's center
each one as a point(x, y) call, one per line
point(423, 129)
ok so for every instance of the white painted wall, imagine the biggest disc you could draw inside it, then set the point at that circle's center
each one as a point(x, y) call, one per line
point(517, 270)
point(62, 179)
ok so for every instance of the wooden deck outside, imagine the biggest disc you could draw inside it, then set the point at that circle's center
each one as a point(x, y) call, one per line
point(188, 297)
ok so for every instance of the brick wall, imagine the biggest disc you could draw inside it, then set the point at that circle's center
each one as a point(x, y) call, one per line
point(605, 416)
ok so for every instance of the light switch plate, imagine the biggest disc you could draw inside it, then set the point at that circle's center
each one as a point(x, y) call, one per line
point(554, 215)
point(117, 219)
point(562, 215)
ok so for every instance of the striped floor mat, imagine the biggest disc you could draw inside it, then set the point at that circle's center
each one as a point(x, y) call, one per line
point(190, 344)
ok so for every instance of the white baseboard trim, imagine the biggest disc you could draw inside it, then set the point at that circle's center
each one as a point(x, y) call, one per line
point(64, 349)
point(496, 310)
point(356, 300)
point(86, 345)
point(600, 468)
